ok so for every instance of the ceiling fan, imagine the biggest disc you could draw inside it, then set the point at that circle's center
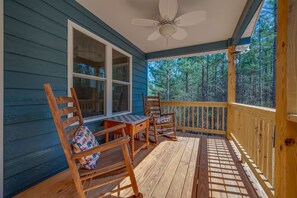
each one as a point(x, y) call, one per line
point(169, 24)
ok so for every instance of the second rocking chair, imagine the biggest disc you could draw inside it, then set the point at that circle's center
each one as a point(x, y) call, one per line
point(160, 124)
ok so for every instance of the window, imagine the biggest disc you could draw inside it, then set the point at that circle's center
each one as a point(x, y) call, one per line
point(89, 73)
point(100, 73)
point(121, 81)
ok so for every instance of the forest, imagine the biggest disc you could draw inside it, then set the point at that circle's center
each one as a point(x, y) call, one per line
point(204, 78)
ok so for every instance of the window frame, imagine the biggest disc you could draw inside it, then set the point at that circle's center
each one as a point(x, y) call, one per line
point(108, 72)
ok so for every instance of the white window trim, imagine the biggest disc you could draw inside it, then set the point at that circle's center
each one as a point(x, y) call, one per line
point(108, 70)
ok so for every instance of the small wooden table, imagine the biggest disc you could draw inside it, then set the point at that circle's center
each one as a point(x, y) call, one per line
point(134, 125)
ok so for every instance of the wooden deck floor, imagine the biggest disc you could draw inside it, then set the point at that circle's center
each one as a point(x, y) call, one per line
point(193, 166)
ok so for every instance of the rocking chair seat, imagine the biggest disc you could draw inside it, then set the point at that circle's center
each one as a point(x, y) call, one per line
point(109, 159)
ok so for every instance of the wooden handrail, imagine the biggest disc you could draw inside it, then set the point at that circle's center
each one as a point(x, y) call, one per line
point(255, 110)
point(187, 103)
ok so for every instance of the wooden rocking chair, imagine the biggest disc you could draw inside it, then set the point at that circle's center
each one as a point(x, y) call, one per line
point(160, 124)
point(114, 163)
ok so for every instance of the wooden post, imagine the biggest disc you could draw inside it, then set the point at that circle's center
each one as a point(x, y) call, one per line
point(231, 87)
point(286, 131)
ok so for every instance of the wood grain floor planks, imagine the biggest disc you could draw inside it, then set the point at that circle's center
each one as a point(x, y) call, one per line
point(181, 172)
point(169, 169)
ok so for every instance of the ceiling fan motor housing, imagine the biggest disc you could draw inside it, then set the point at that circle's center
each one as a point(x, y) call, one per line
point(167, 30)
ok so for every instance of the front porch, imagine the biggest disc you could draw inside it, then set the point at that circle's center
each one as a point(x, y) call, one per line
point(224, 149)
point(193, 166)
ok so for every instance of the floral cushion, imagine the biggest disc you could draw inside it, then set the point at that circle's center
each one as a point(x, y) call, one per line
point(82, 141)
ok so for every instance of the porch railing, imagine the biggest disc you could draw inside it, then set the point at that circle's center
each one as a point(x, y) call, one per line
point(206, 117)
point(253, 132)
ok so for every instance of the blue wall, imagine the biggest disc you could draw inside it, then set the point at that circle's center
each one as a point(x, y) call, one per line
point(35, 51)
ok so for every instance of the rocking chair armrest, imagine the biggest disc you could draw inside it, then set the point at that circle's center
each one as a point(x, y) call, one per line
point(102, 147)
point(108, 130)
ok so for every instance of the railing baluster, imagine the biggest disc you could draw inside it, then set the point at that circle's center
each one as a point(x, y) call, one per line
point(269, 153)
point(212, 118)
point(180, 116)
point(198, 116)
point(202, 118)
point(265, 152)
point(218, 115)
point(188, 108)
point(261, 145)
point(193, 112)
point(207, 121)
point(223, 118)
point(184, 116)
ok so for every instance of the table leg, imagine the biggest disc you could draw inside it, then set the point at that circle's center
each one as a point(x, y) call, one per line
point(147, 134)
point(106, 124)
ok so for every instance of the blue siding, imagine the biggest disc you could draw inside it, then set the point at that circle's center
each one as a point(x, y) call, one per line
point(35, 52)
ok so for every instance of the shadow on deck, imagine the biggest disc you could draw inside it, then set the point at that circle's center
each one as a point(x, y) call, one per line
point(193, 166)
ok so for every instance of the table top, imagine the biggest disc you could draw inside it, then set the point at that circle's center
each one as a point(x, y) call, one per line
point(128, 119)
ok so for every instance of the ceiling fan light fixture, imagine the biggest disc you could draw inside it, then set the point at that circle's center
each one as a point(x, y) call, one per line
point(167, 30)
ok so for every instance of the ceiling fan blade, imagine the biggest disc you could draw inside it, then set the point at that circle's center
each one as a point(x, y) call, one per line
point(145, 22)
point(180, 34)
point(190, 18)
point(168, 9)
point(154, 36)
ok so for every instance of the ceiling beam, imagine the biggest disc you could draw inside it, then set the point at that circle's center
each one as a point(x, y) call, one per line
point(247, 14)
point(195, 49)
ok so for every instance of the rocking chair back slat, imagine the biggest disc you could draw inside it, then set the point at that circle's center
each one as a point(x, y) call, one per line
point(151, 105)
point(68, 110)
point(64, 99)
point(70, 121)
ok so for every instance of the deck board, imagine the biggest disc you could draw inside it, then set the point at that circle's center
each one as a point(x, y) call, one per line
point(165, 181)
point(170, 169)
point(180, 174)
point(188, 185)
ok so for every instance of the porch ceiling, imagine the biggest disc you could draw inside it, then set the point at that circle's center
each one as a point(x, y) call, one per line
point(222, 18)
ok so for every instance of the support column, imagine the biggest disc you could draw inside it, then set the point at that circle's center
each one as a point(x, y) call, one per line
point(286, 131)
point(231, 87)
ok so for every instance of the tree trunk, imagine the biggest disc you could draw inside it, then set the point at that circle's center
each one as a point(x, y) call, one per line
point(202, 84)
point(168, 86)
point(207, 77)
point(274, 56)
point(260, 64)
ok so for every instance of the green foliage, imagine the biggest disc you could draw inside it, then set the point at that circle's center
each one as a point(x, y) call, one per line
point(204, 78)
point(256, 68)
point(200, 78)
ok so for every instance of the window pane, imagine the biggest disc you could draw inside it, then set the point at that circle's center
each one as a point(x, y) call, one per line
point(90, 94)
point(120, 97)
point(120, 66)
point(88, 55)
